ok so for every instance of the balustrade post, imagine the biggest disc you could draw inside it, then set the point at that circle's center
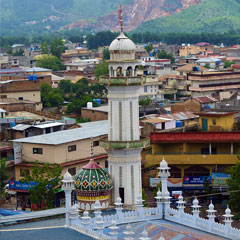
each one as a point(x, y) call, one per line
point(228, 221)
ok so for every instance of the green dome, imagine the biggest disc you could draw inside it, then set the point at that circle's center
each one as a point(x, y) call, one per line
point(92, 178)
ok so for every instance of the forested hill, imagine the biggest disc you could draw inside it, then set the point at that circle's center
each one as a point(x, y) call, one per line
point(216, 16)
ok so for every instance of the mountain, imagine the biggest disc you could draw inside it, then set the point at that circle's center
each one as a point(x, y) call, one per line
point(208, 16)
point(38, 16)
point(135, 13)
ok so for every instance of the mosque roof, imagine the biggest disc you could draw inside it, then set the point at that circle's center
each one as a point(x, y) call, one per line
point(122, 43)
point(92, 178)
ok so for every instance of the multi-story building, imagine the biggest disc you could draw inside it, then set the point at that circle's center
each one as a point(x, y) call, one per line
point(214, 83)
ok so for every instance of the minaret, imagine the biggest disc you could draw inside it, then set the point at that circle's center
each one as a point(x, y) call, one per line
point(124, 145)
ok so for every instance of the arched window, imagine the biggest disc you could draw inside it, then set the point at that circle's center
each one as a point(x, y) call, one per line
point(119, 72)
point(129, 71)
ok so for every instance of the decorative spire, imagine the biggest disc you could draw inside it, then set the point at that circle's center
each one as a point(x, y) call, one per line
point(120, 18)
point(91, 151)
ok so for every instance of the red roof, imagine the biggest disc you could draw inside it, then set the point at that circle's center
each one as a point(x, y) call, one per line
point(91, 165)
point(236, 66)
point(215, 114)
point(198, 137)
point(205, 99)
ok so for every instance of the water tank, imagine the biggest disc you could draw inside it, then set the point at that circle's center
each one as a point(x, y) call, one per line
point(89, 105)
point(207, 107)
point(160, 104)
point(12, 124)
point(34, 77)
point(30, 77)
point(179, 124)
point(98, 101)
point(196, 68)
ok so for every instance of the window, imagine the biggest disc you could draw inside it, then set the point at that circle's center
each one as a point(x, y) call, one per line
point(204, 150)
point(20, 98)
point(214, 121)
point(24, 172)
point(106, 164)
point(145, 88)
point(72, 148)
point(95, 143)
point(72, 171)
point(37, 151)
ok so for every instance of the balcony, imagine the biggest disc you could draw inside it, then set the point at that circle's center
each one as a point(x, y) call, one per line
point(108, 145)
point(192, 158)
point(122, 81)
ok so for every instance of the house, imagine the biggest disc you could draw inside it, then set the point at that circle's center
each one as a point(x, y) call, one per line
point(24, 89)
point(213, 83)
point(196, 104)
point(192, 154)
point(69, 148)
point(95, 113)
point(216, 121)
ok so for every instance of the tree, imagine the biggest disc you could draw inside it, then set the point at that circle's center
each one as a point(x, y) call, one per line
point(234, 185)
point(148, 48)
point(9, 51)
point(145, 101)
point(19, 52)
point(3, 176)
point(50, 62)
point(44, 47)
point(57, 47)
point(67, 86)
point(48, 178)
point(164, 55)
point(51, 97)
point(228, 64)
point(101, 69)
point(76, 105)
point(106, 54)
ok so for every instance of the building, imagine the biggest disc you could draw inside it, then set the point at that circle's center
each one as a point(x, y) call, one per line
point(192, 154)
point(214, 83)
point(216, 121)
point(196, 104)
point(69, 148)
point(95, 113)
point(24, 89)
point(124, 144)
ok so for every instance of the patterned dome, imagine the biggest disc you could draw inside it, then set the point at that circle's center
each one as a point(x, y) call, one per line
point(92, 178)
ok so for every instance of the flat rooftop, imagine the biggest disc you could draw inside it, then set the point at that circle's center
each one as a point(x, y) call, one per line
point(87, 130)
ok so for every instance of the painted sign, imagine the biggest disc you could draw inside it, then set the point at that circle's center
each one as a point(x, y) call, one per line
point(16, 185)
point(172, 182)
point(195, 180)
point(17, 152)
point(219, 179)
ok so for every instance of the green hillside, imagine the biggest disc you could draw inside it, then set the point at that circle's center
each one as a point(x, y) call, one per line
point(208, 16)
point(16, 14)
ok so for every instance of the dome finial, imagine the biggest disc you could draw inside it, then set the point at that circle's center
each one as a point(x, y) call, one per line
point(120, 18)
point(91, 151)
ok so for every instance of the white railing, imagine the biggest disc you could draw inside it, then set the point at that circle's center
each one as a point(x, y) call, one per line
point(32, 215)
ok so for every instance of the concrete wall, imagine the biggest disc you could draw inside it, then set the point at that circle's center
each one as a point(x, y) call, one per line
point(94, 115)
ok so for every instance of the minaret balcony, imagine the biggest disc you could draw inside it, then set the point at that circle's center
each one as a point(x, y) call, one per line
point(108, 145)
point(122, 81)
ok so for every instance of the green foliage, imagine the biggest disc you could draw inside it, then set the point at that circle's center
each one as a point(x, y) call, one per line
point(44, 47)
point(234, 185)
point(101, 69)
point(106, 54)
point(76, 105)
point(51, 97)
point(57, 47)
point(48, 178)
point(50, 62)
point(3, 176)
point(164, 55)
point(144, 101)
point(144, 197)
point(148, 48)
point(208, 16)
point(228, 64)
point(207, 65)
point(9, 51)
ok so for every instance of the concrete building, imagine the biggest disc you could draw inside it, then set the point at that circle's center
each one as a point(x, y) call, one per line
point(69, 148)
point(213, 83)
point(124, 144)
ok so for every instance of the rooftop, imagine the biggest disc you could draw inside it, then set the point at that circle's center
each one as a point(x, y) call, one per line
point(87, 130)
point(205, 99)
point(192, 137)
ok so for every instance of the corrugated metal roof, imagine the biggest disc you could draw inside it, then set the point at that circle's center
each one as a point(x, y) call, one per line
point(47, 125)
point(21, 127)
point(91, 129)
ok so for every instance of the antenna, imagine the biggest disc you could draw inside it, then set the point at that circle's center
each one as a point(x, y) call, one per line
point(120, 18)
